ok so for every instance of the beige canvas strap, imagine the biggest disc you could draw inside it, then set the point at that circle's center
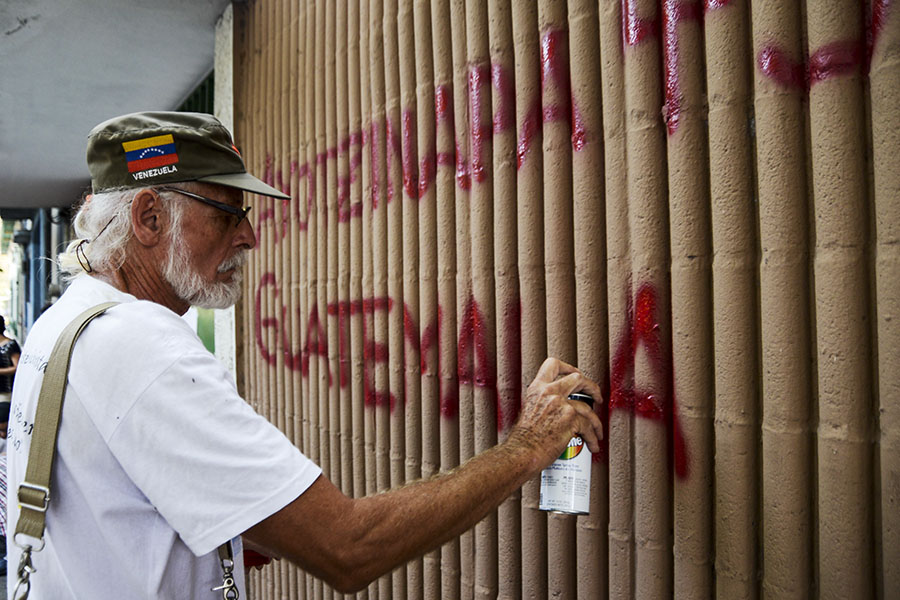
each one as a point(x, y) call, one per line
point(34, 491)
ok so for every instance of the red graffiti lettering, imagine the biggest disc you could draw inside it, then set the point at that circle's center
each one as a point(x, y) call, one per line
point(475, 366)
point(531, 125)
point(419, 166)
point(832, 60)
point(642, 330)
point(266, 209)
point(346, 210)
point(408, 155)
point(404, 145)
point(478, 130)
point(316, 342)
point(445, 120)
point(842, 57)
point(375, 163)
point(779, 67)
point(675, 12)
point(449, 398)
point(636, 29)
point(555, 82)
point(875, 26)
point(260, 323)
point(373, 352)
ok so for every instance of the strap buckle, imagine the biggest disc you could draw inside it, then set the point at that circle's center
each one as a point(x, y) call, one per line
point(37, 488)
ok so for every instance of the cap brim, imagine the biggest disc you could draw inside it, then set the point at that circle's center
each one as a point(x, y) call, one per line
point(245, 182)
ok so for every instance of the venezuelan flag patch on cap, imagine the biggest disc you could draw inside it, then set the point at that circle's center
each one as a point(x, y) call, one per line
point(167, 147)
point(150, 153)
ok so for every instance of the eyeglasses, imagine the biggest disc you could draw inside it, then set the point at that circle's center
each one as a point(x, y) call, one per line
point(239, 213)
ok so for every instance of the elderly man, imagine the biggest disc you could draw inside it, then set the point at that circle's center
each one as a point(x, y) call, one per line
point(159, 461)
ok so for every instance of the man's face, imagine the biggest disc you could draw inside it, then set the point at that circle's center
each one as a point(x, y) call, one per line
point(4, 430)
point(207, 251)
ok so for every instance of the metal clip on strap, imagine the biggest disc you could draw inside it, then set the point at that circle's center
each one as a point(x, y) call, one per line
point(229, 587)
point(23, 584)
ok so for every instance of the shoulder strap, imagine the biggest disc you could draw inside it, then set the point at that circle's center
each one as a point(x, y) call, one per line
point(34, 491)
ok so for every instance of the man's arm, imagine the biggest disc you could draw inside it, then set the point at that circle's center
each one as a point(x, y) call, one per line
point(350, 542)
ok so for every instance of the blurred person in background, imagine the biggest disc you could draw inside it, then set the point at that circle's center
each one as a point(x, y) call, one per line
point(9, 361)
point(4, 423)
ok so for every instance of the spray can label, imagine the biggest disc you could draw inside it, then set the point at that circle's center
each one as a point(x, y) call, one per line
point(566, 483)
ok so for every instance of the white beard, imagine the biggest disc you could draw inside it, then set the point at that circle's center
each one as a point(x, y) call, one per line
point(189, 286)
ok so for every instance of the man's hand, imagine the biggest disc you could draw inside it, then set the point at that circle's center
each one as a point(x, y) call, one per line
point(549, 419)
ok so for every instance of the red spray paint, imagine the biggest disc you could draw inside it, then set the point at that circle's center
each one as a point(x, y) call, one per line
point(474, 366)
point(643, 330)
point(835, 59)
point(419, 172)
point(674, 12)
point(479, 76)
point(555, 73)
point(636, 29)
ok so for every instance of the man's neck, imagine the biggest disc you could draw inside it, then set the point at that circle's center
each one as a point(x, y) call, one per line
point(144, 283)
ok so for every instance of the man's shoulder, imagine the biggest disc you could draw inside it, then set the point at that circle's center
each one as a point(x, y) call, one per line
point(129, 318)
point(129, 333)
point(143, 325)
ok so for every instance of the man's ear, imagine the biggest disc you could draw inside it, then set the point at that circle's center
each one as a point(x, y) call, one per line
point(148, 217)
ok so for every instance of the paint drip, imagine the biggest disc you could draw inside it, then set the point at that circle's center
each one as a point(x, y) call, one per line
point(566, 483)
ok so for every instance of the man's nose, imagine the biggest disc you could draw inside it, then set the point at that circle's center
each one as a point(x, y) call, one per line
point(246, 237)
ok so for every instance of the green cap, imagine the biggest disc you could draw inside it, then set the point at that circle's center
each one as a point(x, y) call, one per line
point(155, 148)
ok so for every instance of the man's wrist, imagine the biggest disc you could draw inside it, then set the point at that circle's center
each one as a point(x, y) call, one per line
point(525, 443)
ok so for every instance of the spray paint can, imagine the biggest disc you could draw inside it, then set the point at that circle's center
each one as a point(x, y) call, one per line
point(566, 483)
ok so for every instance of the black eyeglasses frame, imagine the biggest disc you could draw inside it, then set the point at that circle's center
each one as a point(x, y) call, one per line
point(240, 213)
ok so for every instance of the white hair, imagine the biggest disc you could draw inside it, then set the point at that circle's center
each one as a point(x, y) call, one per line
point(103, 230)
point(106, 213)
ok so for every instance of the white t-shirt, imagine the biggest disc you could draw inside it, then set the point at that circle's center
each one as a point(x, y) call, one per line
point(159, 461)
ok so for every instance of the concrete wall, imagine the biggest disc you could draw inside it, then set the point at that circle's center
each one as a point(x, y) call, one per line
point(696, 202)
point(223, 98)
